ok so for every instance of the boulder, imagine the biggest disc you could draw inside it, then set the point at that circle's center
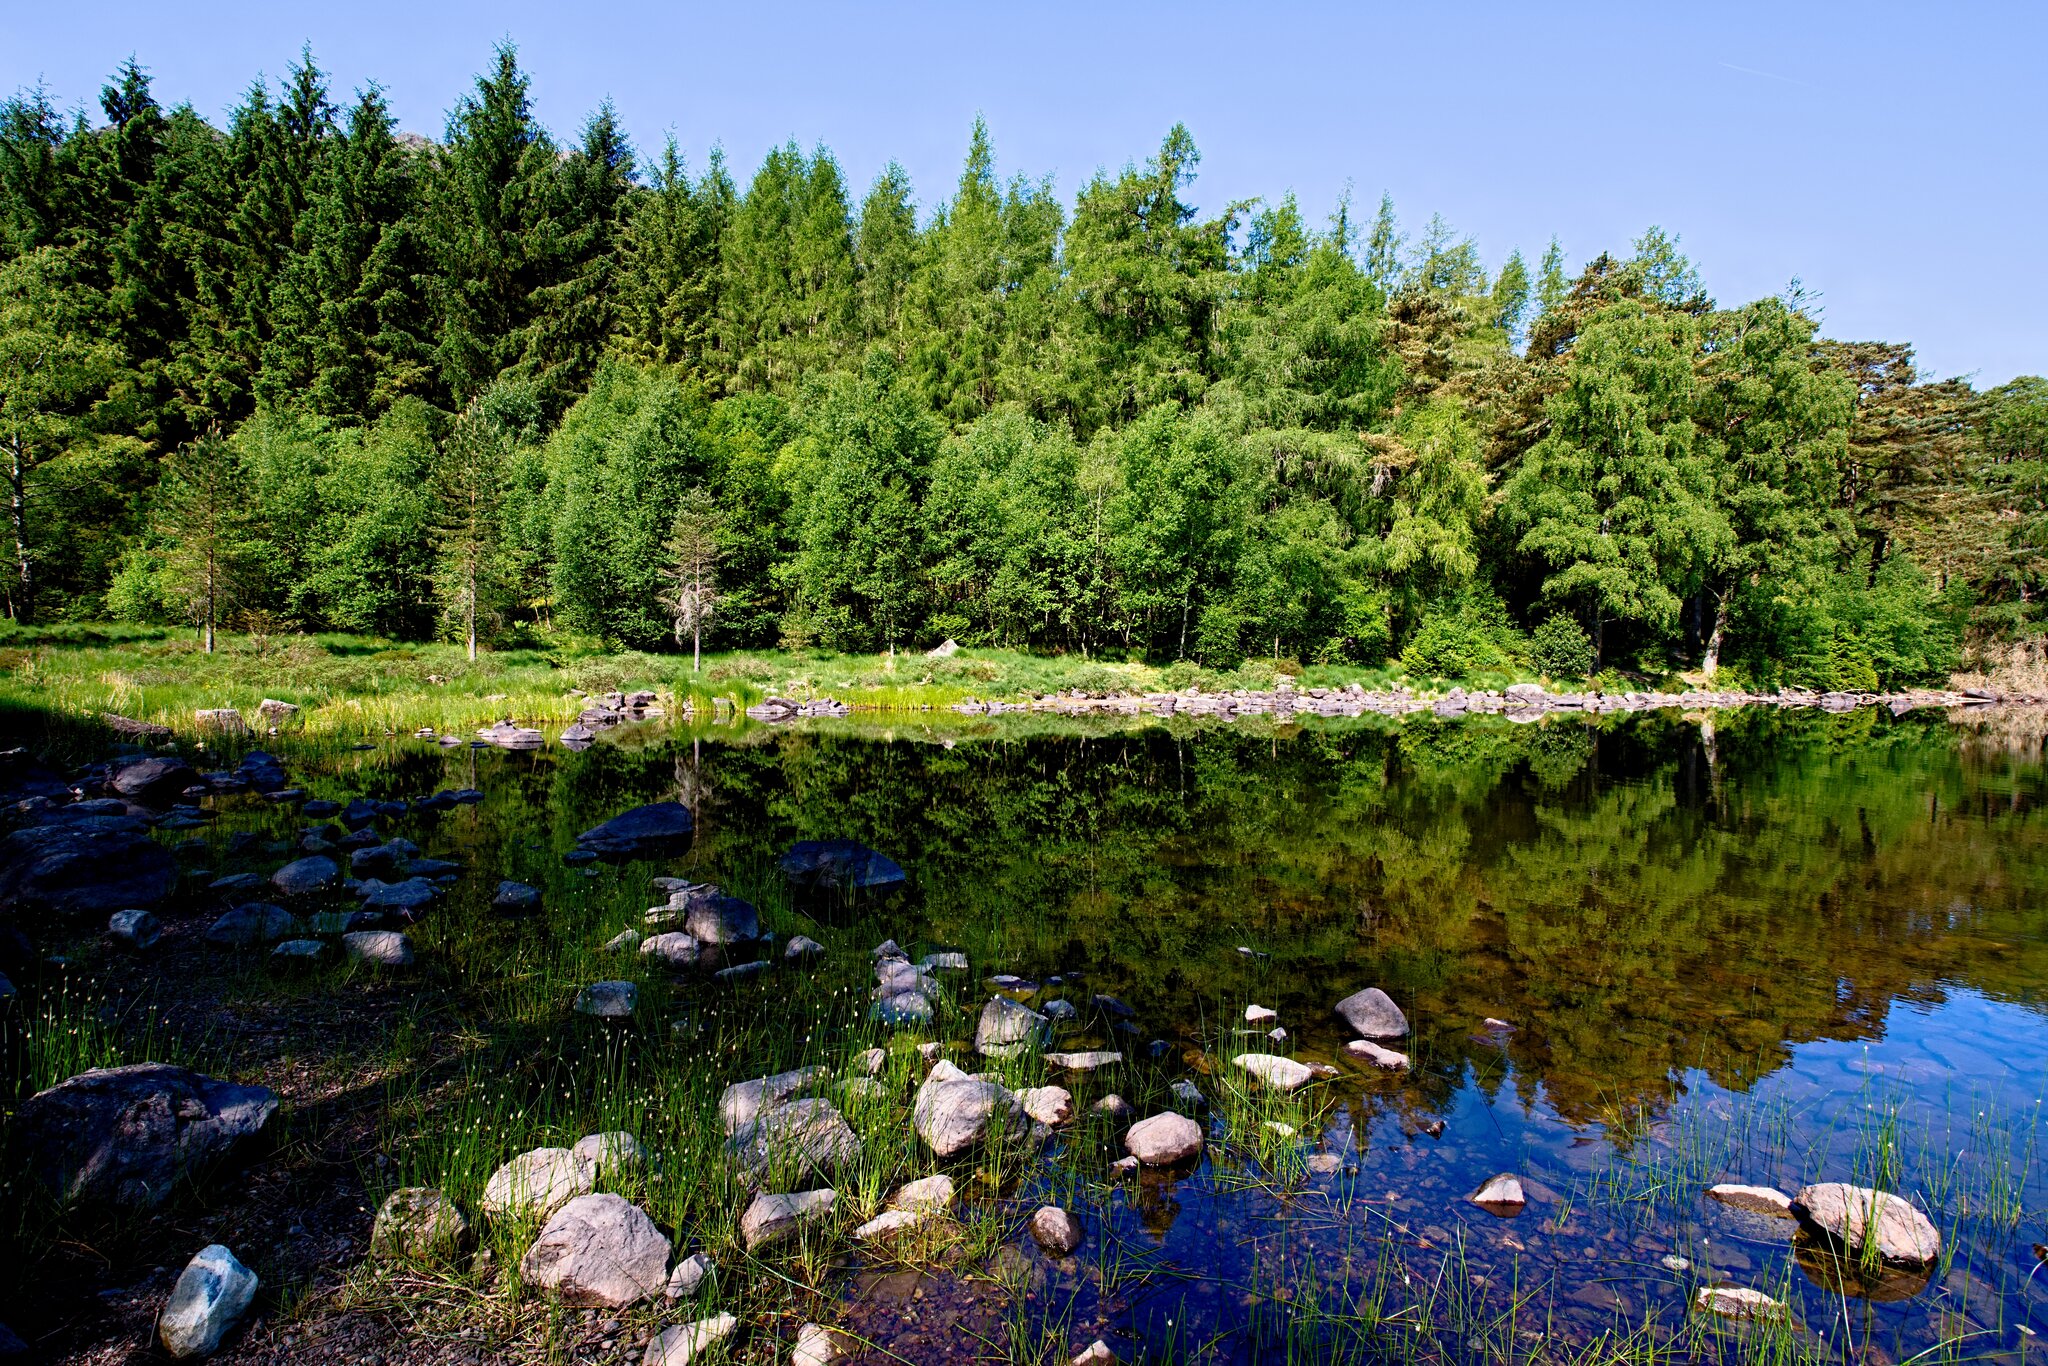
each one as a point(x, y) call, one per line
point(213, 1292)
point(1502, 1195)
point(537, 1183)
point(801, 949)
point(676, 949)
point(85, 866)
point(276, 713)
point(293, 953)
point(683, 1343)
point(1738, 1302)
point(134, 930)
point(256, 923)
point(771, 1218)
point(888, 1224)
point(943, 962)
point(952, 1115)
point(926, 1195)
point(801, 1137)
point(307, 876)
point(417, 1223)
point(154, 779)
point(1765, 1200)
point(1085, 1061)
point(608, 1000)
point(838, 868)
point(516, 898)
point(1049, 1105)
point(716, 918)
point(690, 1276)
point(643, 832)
point(1856, 1217)
point(385, 948)
point(1164, 1140)
point(1376, 1055)
point(127, 1135)
point(744, 1101)
point(1282, 1074)
point(903, 1008)
point(1373, 1013)
point(406, 899)
point(1007, 1027)
point(1055, 1230)
point(609, 1152)
point(598, 1251)
point(220, 721)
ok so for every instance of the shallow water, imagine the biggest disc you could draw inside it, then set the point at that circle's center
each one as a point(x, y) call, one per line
point(1774, 950)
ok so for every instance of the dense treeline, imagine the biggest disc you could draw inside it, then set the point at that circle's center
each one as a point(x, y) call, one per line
point(309, 372)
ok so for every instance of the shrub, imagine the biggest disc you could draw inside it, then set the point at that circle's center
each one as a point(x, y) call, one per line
point(1561, 648)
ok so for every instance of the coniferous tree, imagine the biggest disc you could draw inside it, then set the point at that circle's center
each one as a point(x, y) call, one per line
point(201, 522)
point(692, 571)
point(470, 485)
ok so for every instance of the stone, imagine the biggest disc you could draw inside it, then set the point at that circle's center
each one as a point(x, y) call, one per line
point(220, 720)
point(1282, 1074)
point(945, 649)
point(297, 953)
point(888, 1224)
point(952, 1115)
point(1185, 1092)
point(903, 1008)
point(608, 1000)
point(1061, 1011)
point(515, 898)
point(772, 1218)
point(134, 930)
point(598, 1251)
point(943, 962)
point(1049, 1105)
point(896, 976)
point(888, 948)
point(1737, 1302)
point(1006, 1025)
point(406, 898)
point(691, 1275)
point(256, 923)
point(625, 941)
point(676, 949)
point(685, 1342)
point(838, 868)
point(1376, 1055)
point(801, 1137)
point(417, 1223)
point(385, 948)
point(1112, 1105)
point(154, 779)
point(1164, 1140)
point(307, 876)
point(610, 1152)
point(1055, 1230)
point(1856, 1217)
point(643, 832)
point(213, 1292)
point(1502, 1195)
point(744, 1101)
point(801, 949)
point(1255, 1015)
point(870, 1061)
point(85, 866)
point(739, 972)
point(716, 918)
point(127, 1136)
point(1084, 1062)
point(1373, 1013)
point(1765, 1200)
point(1096, 1353)
point(926, 1195)
point(815, 1346)
point(275, 712)
point(537, 1183)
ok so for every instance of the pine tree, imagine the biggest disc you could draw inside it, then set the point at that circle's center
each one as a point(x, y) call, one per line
point(1383, 248)
point(693, 551)
point(1551, 285)
point(470, 484)
point(574, 313)
point(787, 301)
point(668, 266)
point(1511, 298)
point(202, 524)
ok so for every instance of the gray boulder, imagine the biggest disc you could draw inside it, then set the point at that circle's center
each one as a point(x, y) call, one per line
point(258, 922)
point(384, 948)
point(85, 866)
point(953, 1114)
point(307, 876)
point(1008, 1027)
point(213, 1292)
point(134, 930)
point(1164, 1140)
point(608, 1000)
point(536, 1183)
point(516, 898)
point(838, 868)
point(1373, 1013)
point(1856, 1217)
point(799, 1138)
point(772, 1218)
point(744, 1101)
point(417, 1223)
point(127, 1135)
point(600, 1252)
point(407, 898)
point(154, 779)
point(715, 918)
point(644, 831)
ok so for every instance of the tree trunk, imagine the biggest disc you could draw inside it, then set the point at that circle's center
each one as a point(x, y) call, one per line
point(470, 606)
point(1710, 664)
point(17, 511)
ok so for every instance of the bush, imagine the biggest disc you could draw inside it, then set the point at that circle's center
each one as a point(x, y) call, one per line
point(1561, 648)
point(1470, 637)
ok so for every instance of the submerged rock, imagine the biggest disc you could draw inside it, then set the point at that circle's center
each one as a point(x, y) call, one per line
point(1766, 1200)
point(1055, 1230)
point(839, 868)
point(127, 1135)
point(1502, 1195)
point(1738, 1302)
point(643, 832)
point(1377, 1055)
point(1856, 1217)
point(213, 1292)
point(598, 1251)
point(1373, 1013)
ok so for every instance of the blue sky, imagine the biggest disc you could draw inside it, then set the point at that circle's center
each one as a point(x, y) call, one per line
point(1890, 155)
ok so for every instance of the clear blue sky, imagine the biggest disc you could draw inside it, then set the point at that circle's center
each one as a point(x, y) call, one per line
point(1890, 155)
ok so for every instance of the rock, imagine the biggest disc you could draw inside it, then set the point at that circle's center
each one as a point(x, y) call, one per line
point(385, 948)
point(802, 950)
point(1006, 1027)
point(1737, 1302)
point(1502, 1196)
point(692, 1273)
point(945, 649)
point(904, 1008)
point(771, 1218)
point(815, 1346)
point(1282, 1074)
point(1185, 1092)
point(888, 1224)
point(896, 976)
point(676, 949)
point(1376, 1055)
point(952, 1115)
point(1049, 1105)
point(213, 1292)
point(276, 713)
point(888, 948)
point(380, 860)
point(643, 832)
point(134, 930)
point(1084, 1062)
point(220, 721)
point(256, 923)
point(1112, 1007)
point(127, 1135)
point(1766, 1200)
point(516, 898)
point(801, 1138)
point(537, 1183)
point(744, 1101)
point(838, 868)
point(1373, 1013)
point(406, 898)
point(926, 1195)
point(608, 1000)
point(610, 1152)
point(1096, 1353)
point(85, 866)
point(1057, 1231)
point(685, 1342)
point(1164, 1140)
point(1061, 1012)
point(625, 941)
point(1856, 1217)
point(1112, 1105)
point(155, 779)
point(598, 1251)
point(943, 962)
point(306, 876)
point(417, 1223)
point(716, 918)
point(870, 1061)
point(297, 953)
point(1255, 1015)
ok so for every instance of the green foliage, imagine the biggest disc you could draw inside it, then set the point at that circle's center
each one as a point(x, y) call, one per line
point(1460, 640)
point(1560, 647)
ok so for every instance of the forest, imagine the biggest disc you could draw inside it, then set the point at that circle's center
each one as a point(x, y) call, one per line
point(309, 372)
